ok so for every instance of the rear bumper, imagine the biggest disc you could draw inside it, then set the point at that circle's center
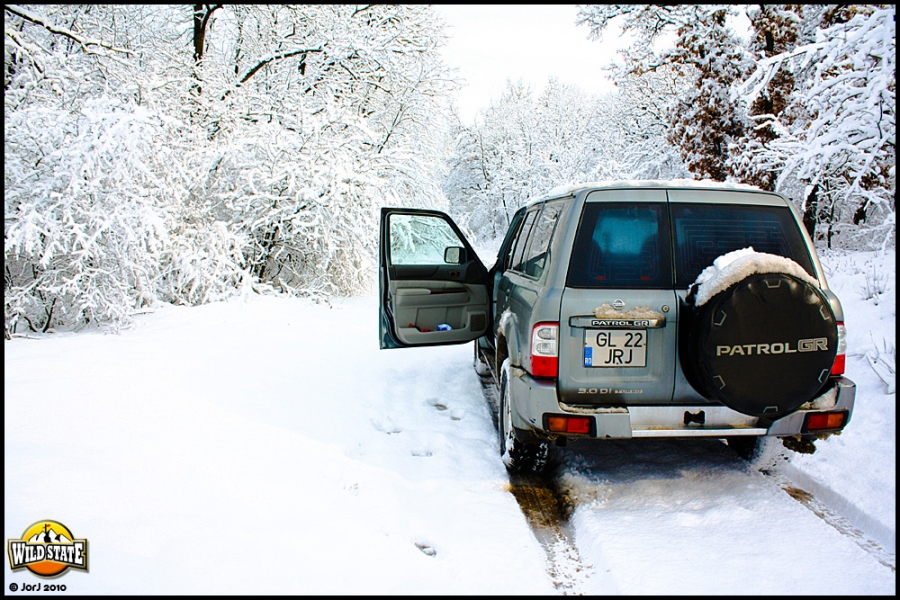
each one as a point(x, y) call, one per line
point(535, 398)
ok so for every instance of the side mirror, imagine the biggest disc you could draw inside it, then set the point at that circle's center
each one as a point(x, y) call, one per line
point(454, 255)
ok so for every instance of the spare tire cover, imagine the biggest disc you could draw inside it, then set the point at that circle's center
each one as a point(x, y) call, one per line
point(764, 346)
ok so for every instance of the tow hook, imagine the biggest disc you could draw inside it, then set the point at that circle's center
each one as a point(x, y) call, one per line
point(699, 418)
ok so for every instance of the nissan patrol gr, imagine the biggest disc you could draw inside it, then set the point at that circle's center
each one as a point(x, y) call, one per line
point(630, 310)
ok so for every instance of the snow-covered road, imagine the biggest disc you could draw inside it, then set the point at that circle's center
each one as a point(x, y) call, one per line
point(689, 517)
point(684, 517)
point(266, 445)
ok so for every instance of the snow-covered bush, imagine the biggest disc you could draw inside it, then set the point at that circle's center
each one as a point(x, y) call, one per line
point(177, 153)
point(883, 360)
point(866, 284)
point(85, 213)
point(201, 265)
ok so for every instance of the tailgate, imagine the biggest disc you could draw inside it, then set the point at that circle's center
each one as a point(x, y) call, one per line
point(614, 351)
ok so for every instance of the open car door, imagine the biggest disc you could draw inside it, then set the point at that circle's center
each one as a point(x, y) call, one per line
point(433, 289)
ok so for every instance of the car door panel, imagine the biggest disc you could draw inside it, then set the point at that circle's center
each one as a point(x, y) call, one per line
point(423, 302)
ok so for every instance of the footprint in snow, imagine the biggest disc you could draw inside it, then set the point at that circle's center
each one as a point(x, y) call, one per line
point(385, 427)
point(437, 404)
point(426, 549)
point(456, 414)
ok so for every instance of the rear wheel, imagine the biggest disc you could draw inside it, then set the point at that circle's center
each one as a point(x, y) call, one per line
point(519, 456)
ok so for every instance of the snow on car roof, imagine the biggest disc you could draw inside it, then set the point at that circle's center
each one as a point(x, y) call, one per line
point(570, 188)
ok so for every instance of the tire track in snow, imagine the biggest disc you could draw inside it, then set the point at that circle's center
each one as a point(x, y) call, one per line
point(548, 514)
point(805, 498)
point(564, 562)
point(774, 463)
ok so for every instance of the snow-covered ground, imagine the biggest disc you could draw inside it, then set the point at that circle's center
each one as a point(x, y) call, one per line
point(265, 445)
point(856, 471)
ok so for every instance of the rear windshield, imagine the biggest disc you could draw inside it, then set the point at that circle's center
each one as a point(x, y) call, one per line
point(627, 245)
point(621, 245)
point(704, 232)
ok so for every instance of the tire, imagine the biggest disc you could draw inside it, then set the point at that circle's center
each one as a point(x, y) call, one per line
point(762, 347)
point(764, 453)
point(518, 456)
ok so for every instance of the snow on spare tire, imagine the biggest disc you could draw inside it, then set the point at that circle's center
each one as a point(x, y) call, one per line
point(762, 337)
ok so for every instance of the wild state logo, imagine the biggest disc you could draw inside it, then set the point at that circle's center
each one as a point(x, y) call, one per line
point(47, 549)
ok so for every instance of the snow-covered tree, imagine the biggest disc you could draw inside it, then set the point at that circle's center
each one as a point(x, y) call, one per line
point(526, 144)
point(635, 139)
point(776, 29)
point(837, 136)
point(521, 147)
point(88, 173)
point(262, 140)
point(317, 115)
point(805, 108)
point(491, 170)
point(704, 120)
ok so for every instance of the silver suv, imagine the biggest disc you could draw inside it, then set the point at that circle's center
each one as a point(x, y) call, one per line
point(630, 310)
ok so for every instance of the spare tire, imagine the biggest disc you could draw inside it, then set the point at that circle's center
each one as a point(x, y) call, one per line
point(763, 346)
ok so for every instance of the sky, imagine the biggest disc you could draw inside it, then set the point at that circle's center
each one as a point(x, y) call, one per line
point(489, 44)
point(492, 43)
point(265, 445)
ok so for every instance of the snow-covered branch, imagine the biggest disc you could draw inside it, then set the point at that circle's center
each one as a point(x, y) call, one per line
point(86, 44)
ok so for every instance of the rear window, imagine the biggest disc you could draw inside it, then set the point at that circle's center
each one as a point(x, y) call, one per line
point(704, 232)
point(621, 245)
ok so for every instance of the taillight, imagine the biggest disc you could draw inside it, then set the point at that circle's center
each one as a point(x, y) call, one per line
point(545, 350)
point(822, 421)
point(840, 360)
point(560, 424)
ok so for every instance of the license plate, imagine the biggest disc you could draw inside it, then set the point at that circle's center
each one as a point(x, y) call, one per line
point(615, 348)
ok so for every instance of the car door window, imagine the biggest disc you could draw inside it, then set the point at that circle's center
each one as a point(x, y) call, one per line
point(505, 260)
point(539, 245)
point(420, 239)
point(522, 242)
